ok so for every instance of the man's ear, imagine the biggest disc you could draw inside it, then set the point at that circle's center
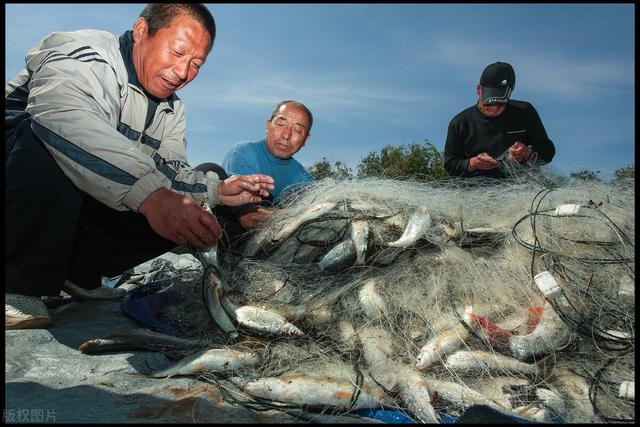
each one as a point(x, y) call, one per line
point(267, 128)
point(140, 29)
point(478, 89)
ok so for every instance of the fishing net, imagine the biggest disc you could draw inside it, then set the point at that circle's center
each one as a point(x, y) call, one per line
point(526, 257)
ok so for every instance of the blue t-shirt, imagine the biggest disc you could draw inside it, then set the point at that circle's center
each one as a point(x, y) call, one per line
point(249, 157)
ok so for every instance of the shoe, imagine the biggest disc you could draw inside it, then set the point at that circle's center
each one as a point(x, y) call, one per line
point(24, 311)
point(101, 293)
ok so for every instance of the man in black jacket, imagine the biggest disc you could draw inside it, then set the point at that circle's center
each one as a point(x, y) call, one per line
point(485, 139)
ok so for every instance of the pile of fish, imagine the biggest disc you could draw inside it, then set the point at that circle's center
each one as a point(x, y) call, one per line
point(415, 301)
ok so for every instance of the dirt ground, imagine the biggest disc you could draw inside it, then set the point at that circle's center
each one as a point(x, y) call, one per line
point(48, 380)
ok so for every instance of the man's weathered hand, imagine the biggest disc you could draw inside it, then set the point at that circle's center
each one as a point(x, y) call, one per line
point(242, 189)
point(483, 162)
point(254, 218)
point(519, 152)
point(180, 219)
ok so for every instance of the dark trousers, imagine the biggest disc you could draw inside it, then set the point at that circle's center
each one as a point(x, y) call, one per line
point(55, 232)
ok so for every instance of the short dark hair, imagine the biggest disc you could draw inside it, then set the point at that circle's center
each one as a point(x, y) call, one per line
point(299, 104)
point(160, 15)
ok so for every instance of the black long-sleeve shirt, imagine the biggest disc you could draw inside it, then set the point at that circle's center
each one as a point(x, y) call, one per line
point(471, 133)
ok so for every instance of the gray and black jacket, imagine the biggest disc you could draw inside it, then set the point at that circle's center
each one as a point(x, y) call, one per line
point(111, 139)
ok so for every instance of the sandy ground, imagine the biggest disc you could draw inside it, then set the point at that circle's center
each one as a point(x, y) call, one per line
point(47, 379)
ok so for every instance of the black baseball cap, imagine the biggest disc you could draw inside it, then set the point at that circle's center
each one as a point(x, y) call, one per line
point(498, 81)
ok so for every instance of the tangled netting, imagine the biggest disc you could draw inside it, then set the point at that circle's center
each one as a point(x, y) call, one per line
point(517, 295)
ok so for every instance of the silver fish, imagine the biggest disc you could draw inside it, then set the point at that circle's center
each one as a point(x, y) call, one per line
point(575, 389)
point(416, 227)
point(311, 213)
point(213, 298)
point(208, 257)
point(260, 320)
point(443, 343)
point(377, 346)
point(310, 392)
point(341, 256)
point(138, 339)
point(262, 240)
point(216, 360)
point(371, 301)
point(459, 394)
point(214, 286)
point(415, 393)
point(503, 389)
point(379, 230)
point(360, 237)
point(478, 362)
point(551, 334)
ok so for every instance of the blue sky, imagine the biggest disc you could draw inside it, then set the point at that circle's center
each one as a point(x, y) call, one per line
point(380, 74)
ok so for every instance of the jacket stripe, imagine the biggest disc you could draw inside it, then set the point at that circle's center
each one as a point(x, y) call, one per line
point(82, 157)
point(58, 56)
point(151, 142)
point(170, 173)
point(124, 129)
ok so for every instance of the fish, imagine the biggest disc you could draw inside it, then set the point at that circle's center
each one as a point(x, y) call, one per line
point(534, 412)
point(341, 256)
point(311, 392)
point(415, 393)
point(575, 390)
point(213, 299)
point(208, 257)
point(491, 333)
point(417, 226)
point(443, 343)
point(263, 241)
point(345, 335)
point(360, 238)
point(214, 286)
point(477, 362)
point(138, 339)
point(459, 394)
point(260, 320)
point(371, 301)
point(523, 323)
point(377, 346)
point(503, 389)
point(313, 212)
point(216, 360)
point(548, 408)
point(380, 229)
point(454, 231)
point(553, 402)
point(551, 334)
point(317, 317)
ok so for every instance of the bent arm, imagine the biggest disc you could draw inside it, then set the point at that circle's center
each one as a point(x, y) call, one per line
point(455, 163)
point(540, 142)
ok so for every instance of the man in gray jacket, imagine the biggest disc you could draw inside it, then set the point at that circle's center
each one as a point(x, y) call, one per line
point(96, 176)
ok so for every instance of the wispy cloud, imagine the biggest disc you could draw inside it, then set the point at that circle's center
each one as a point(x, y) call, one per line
point(551, 73)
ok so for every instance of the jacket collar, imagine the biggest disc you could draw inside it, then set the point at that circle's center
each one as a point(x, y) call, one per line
point(126, 50)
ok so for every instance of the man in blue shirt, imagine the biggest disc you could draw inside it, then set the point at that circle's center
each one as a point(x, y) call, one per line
point(287, 131)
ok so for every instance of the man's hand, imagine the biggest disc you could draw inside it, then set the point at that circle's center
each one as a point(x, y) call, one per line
point(483, 162)
point(180, 219)
point(519, 152)
point(254, 218)
point(242, 189)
